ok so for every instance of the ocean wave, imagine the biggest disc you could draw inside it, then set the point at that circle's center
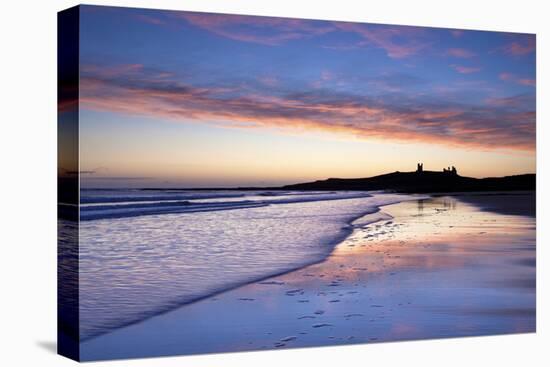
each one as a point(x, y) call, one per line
point(194, 203)
point(91, 196)
point(132, 268)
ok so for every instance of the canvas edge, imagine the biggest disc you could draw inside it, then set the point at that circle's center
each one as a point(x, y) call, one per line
point(68, 39)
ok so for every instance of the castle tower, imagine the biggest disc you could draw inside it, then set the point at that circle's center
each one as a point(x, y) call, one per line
point(419, 167)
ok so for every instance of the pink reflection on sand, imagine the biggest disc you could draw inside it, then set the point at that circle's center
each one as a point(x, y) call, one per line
point(441, 233)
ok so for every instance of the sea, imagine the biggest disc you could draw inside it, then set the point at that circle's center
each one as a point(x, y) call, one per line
point(146, 252)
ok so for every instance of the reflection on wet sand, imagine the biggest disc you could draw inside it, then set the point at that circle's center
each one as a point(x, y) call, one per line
point(428, 269)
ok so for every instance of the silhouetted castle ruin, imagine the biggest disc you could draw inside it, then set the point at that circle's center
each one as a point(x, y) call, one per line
point(449, 170)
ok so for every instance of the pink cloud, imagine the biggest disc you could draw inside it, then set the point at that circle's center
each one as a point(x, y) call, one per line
point(509, 77)
point(460, 52)
point(451, 124)
point(268, 80)
point(112, 71)
point(150, 19)
point(255, 29)
point(326, 75)
point(529, 82)
point(515, 102)
point(520, 47)
point(398, 42)
point(465, 69)
point(457, 33)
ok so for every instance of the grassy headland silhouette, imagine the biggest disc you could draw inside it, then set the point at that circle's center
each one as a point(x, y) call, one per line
point(421, 181)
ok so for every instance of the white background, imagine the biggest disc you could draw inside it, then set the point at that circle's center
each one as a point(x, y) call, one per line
point(28, 182)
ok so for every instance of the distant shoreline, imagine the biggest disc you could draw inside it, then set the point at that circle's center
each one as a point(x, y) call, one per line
point(397, 182)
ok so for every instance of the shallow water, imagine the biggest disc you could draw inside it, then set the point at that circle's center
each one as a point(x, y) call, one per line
point(138, 264)
point(426, 269)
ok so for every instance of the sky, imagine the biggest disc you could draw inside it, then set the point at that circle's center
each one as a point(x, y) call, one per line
point(184, 99)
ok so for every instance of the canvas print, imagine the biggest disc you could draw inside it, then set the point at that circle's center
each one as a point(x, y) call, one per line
point(236, 183)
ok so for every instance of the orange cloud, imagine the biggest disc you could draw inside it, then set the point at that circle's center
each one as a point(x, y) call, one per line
point(497, 126)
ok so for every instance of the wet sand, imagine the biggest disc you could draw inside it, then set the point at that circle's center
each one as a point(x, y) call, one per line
point(515, 203)
point(433, 268)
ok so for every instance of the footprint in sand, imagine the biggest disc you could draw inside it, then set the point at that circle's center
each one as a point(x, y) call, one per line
point(293, 292)
point(288, 339)
point(320, 325)
point(353, 315)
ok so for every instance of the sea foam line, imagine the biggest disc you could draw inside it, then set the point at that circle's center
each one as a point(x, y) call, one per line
point(118, 210)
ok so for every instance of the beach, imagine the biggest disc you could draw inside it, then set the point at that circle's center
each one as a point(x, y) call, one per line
point(443, 266)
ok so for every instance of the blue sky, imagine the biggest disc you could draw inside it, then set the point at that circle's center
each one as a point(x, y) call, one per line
point(290, 99)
